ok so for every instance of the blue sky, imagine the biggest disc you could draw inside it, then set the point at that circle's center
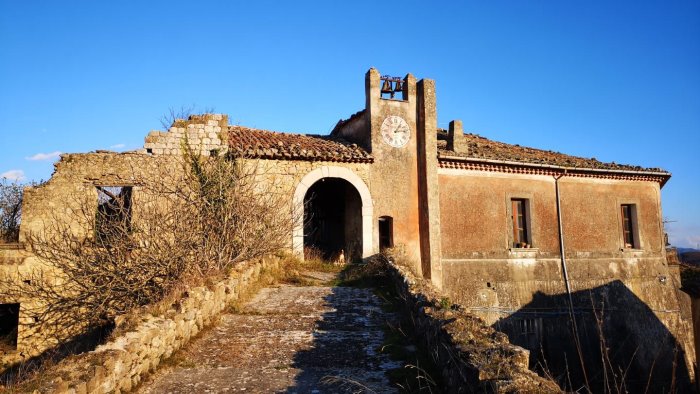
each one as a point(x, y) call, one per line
point(618, 81)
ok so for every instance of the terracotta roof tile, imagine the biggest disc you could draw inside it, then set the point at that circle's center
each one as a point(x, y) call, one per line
point(483, 148)
point(265, 144)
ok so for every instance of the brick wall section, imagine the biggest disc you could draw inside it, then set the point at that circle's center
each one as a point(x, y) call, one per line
point(121, 364)
point(473, 357)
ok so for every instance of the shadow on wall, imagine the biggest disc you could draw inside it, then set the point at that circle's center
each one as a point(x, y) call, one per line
point(345, 354)
point(624, 343)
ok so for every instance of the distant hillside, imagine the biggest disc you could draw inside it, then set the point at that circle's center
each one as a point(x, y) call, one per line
point(689, 256)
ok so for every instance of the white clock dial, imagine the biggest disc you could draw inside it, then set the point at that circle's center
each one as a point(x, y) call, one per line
point(395, 131)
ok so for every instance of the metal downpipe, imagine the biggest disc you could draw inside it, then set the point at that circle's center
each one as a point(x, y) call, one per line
point(562, 251)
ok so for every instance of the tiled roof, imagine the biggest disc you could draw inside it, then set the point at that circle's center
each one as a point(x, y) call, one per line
point(479, 147)
point(265, 144)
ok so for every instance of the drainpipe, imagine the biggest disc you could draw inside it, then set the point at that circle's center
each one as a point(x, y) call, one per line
point(562, 251)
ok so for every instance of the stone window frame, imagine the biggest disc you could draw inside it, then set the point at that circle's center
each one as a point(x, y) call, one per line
point(636, 230)
point(530, 219)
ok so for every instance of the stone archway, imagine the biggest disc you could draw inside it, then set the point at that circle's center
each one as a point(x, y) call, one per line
point(356, 182)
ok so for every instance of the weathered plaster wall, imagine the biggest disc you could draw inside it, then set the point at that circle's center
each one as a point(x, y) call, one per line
point(505, 285)
point(473, 213)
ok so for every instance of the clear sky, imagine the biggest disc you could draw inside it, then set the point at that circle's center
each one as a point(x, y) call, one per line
point(614, 80)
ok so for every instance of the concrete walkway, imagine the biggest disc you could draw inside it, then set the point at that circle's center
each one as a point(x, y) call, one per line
point(310, 339)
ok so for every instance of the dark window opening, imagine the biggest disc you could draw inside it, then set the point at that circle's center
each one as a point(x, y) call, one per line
point(149, 151)
point(333, 220)
point(9, 323)
point(386, 232)
point(629, 235)
point(113, 217)
point(520, 217)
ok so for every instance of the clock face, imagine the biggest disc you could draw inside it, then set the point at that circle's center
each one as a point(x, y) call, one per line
point(395, 131)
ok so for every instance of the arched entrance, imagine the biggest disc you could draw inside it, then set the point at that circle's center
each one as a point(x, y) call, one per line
point(338, 211)
point(333, 219)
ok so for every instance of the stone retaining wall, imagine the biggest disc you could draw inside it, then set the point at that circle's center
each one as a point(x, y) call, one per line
point(119, 365)
point(473, 357)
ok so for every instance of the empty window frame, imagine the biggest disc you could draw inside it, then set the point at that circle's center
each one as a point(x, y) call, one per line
point(9, 323)
point(113, 216)
point(386, 232)
point(520, 218)
point(630, 235)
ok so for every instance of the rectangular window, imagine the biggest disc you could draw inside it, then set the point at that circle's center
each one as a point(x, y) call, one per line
point(629, 226)
point(113, 217)
point(386, 232)
point(9, 322)
point(520, 217)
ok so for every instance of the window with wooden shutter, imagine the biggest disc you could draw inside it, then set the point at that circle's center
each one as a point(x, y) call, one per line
point(629, 235)
point(520, 219)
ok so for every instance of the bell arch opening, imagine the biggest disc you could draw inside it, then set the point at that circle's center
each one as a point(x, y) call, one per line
point(333, 220)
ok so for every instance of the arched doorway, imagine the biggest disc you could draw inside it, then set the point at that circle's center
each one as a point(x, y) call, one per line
point(333, 219)
point(362, 237)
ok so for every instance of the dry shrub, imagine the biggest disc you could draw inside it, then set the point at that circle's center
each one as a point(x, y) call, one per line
point(187, 226)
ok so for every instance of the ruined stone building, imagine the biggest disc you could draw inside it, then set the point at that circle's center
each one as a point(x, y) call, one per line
point(524, 238)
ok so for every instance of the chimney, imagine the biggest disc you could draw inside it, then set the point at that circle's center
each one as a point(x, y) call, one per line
point(455, 137)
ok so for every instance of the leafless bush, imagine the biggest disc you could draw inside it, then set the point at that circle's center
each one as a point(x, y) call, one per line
point(183, 113)
point(238, 216)
point(132, 250)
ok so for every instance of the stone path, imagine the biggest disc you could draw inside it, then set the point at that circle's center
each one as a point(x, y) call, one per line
point(312, 339)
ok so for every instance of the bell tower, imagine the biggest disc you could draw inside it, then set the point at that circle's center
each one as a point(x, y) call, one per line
point(401, 125)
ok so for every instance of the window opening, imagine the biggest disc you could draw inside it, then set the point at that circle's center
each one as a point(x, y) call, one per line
point(9, 323)
point(386, 232)
point(629, 236)
point(113, 217)
point(521, 238)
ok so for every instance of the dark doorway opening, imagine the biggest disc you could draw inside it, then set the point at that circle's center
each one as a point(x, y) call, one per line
point(386, 232)
point(333, 219)
point(9, 322)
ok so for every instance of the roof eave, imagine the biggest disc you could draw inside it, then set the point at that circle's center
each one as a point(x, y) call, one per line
point(663, 174)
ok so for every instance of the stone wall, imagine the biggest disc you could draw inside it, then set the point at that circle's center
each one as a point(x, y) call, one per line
point(72, 187)
point(122, 363)
point(12, 253)
point(472, 356)
point(202, 132)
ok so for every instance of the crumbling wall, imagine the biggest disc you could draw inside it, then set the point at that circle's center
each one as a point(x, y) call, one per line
point(73, 187)
point(473, 357)
point(205, 134)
